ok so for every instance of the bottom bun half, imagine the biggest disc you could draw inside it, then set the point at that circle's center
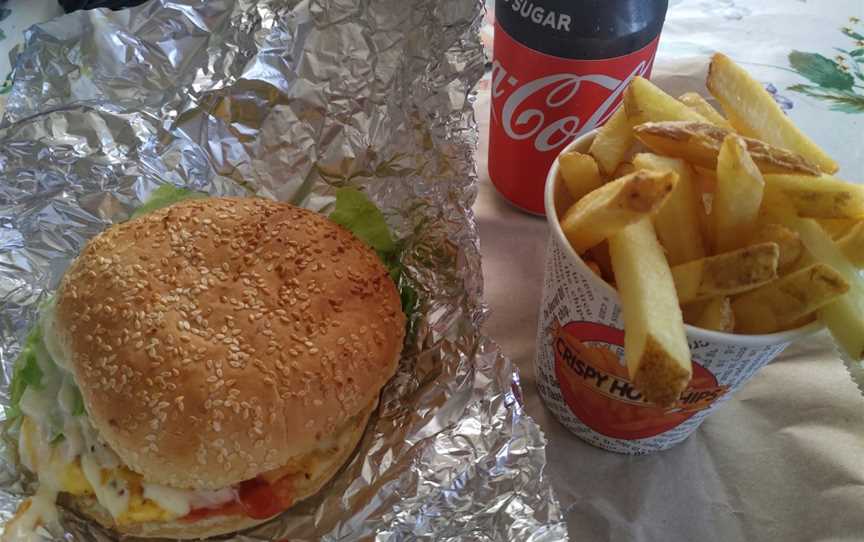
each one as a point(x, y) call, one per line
point(325, 465)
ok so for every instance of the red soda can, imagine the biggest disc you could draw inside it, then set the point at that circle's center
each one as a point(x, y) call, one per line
point(559, 70)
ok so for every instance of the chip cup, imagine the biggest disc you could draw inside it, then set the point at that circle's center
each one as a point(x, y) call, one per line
point(580, 368)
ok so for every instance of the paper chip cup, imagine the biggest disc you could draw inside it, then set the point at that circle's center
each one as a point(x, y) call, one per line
point(581, 373)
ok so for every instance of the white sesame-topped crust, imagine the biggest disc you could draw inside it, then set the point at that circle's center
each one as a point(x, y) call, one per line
point(216, 339)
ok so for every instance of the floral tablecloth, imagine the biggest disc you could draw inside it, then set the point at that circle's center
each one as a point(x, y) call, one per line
point(784, 459)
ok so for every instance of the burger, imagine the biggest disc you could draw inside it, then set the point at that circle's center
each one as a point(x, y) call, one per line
point(203, 368)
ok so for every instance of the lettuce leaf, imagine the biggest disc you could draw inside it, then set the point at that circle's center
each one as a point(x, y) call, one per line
point(78, 405)
point(358, 214)
point(166, 195)
point(26, 373)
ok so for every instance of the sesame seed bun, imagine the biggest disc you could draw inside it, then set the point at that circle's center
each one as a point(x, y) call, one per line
point(217, 339)
point(316, 475)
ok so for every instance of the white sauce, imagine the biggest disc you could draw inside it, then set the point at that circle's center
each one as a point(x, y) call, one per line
point(50, 338)
point(113, 495)
point(66, 396)
point(174, 501)
point(24, 452)
point(73, 442)
point(36, 404)
point(211, 499)
point(27, 527)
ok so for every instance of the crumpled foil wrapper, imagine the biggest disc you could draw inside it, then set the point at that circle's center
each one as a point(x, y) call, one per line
point(290, 100)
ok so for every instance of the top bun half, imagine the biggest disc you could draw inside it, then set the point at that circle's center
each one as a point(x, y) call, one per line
point(216, 339)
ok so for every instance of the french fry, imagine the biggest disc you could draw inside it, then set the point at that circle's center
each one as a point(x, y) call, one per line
point(754, 113)
point(705, 227)
point(612, 142)
point(852, 245)
point(563, 201)
point(693, 311)
point(788, 241)
point(837, 227)
point(624, 168)
point(614, 205)
point(778, 210)
point(600, 254)
point(804, 320)
point(715, 314)
point(707, 178)
point(697, 103)
point(777, 305)
point(677, 221)
point(592, 265)
point(843, 316)
point(580, 173)
point(819, 197)
point(699, 143)
point(737, 198)
point(655, 345)
point(644, 102)
point(718, 316)
point(726, 274)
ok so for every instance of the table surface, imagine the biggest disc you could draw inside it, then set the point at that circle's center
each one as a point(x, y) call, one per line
point(782, 459)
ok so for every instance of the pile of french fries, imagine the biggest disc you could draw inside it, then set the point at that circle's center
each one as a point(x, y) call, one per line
point(728, 221)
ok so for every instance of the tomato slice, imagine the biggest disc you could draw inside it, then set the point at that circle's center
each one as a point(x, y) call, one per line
point(284, 491)
point(261, 500)
point(232, 508)
point(256, 499)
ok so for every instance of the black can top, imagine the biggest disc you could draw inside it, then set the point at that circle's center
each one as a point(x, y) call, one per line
point(586, 29)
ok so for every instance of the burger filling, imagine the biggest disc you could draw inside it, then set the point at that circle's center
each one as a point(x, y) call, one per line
point(58, 443)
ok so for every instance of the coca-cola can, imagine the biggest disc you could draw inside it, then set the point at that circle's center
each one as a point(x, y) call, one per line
point(559, 70)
